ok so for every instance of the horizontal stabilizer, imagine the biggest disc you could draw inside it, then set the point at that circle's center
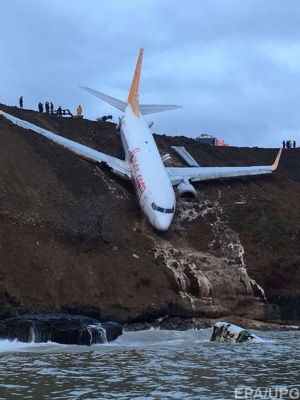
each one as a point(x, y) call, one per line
point(119, 104)
point(155, 108)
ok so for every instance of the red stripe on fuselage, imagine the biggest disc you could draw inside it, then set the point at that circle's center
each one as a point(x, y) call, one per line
point(137, 177)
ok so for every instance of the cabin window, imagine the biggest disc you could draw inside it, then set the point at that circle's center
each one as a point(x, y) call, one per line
point(163, 210)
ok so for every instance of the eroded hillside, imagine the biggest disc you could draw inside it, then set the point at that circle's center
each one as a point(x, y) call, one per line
point(72, 236)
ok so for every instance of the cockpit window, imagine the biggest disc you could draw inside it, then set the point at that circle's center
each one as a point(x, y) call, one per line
point(163, 210)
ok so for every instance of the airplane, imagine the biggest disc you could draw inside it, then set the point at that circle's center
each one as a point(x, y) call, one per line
point(143, 164)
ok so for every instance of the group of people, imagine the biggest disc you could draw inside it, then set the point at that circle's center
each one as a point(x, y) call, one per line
point(49, 108)
point(288, 144)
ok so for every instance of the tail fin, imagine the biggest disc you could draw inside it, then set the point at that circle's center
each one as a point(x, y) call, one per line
point(133, 97)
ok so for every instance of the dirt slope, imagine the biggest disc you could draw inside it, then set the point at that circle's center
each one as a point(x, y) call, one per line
point(72, 237)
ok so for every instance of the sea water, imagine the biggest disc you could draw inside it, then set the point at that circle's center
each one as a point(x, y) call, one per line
point(154, 364)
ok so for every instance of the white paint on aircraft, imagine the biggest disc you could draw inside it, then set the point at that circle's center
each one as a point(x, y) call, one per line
point(143, 165)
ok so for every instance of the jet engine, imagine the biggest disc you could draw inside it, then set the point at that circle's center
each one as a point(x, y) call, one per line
point(186, 191)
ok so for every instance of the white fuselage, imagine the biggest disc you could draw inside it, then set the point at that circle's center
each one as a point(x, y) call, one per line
point(148, 174)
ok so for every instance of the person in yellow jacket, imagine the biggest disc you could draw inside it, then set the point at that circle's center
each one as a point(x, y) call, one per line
point(79, 111)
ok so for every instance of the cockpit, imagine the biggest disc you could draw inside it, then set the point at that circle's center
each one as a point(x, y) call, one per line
point(163, 210)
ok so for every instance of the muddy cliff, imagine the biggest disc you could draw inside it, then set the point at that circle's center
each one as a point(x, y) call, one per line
point(73, 239)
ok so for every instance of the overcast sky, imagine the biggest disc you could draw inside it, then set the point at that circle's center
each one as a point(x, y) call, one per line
point(234, 65)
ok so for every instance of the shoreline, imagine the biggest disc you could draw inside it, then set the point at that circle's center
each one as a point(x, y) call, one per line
point(182, 324)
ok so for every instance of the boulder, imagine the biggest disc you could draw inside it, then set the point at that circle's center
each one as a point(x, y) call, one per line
point(59, 328)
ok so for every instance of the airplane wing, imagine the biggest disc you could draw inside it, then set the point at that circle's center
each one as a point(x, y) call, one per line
point(118, 166)
point(193, 174)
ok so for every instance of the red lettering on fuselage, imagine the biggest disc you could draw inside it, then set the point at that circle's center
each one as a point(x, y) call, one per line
point(138, 179)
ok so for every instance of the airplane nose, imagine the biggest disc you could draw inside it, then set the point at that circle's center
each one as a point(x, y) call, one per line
point(163, 222)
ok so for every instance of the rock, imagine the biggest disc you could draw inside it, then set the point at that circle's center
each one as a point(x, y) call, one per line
point(59, 328)
point(113, 330)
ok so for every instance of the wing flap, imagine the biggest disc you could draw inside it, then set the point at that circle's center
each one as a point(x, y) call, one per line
point(83, 151)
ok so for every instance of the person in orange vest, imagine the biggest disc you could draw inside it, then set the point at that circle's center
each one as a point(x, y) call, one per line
point(79, 111)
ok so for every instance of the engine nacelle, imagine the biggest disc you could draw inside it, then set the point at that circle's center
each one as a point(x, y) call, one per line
point(187, 191)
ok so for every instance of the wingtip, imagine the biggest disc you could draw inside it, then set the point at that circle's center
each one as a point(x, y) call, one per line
point(276, 162)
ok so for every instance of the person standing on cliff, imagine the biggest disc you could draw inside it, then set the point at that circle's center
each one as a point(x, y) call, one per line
point(79, 111)
point(21, 102)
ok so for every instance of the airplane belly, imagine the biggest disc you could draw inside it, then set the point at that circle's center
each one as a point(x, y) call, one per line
point(149, 177)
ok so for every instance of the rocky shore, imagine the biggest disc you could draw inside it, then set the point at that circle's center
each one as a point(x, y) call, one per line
point(59, 328)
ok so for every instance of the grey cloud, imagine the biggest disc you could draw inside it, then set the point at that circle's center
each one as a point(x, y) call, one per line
point(227, 62)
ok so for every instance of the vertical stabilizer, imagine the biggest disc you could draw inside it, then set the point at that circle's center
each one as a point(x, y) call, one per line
point(133, 97)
